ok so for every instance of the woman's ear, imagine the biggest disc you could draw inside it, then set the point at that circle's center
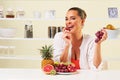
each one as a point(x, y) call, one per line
point(83, 21)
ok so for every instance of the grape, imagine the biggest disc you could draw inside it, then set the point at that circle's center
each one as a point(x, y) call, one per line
point(64, 67)
point(61, 70)
point(66, 70)
point(97, 39)
point(99, 35)
point(56, 68)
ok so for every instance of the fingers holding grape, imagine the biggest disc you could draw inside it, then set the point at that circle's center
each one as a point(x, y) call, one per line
point(66, 36)
point(99, 35)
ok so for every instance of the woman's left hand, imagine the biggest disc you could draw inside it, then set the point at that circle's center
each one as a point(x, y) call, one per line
point(104, 37)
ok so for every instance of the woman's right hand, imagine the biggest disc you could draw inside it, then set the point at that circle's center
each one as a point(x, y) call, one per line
point(67, 36)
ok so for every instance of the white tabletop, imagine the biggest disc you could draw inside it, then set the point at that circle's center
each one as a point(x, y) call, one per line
point(37, 74)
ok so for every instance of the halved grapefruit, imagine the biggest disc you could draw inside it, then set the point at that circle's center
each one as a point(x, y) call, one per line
point(48, 68)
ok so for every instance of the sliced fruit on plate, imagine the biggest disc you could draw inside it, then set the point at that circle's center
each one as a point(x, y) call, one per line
point(53, 72)
point(49, 69)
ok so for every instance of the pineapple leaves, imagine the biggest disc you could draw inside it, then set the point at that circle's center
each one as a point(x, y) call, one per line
point(46, 52)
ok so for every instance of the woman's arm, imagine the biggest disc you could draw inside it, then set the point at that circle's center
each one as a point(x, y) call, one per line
point(61, 48)
point(97, 54)
point(66, 37)
point(64, 55)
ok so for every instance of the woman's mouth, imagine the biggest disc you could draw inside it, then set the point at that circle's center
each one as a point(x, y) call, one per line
point(69, 27)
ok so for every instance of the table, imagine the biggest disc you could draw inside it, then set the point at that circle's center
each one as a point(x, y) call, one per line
point(38, 74)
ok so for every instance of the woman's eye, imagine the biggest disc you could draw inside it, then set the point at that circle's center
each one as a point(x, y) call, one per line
point(73, 18)
point(66, 19)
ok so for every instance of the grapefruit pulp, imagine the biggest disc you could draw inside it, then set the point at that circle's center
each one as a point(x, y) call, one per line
point(48, 68)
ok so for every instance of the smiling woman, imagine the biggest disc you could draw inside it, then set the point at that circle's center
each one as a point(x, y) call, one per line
point(24, 52)
point(72, 45)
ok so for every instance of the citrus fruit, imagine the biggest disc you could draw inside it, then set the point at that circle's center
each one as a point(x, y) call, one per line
point(48, 68)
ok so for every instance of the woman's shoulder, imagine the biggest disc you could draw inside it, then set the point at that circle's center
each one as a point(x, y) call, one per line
point(58, 35)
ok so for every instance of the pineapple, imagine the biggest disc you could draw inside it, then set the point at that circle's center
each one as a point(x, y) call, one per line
point(47, 54)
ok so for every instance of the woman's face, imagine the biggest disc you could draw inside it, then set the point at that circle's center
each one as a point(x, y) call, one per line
point(74, 21)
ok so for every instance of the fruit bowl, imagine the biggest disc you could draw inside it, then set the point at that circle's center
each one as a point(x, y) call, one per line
point(65, 68)
point(113, 34)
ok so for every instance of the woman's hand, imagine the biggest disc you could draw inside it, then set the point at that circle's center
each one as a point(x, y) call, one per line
point(67, 35)
point(101, 38)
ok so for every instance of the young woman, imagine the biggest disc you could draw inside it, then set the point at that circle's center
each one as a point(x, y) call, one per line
point(72, 45)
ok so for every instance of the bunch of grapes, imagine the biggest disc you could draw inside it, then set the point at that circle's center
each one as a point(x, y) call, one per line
point(61, 67)
point(99, 35)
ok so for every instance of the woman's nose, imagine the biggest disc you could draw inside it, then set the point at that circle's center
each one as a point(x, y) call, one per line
point(68, 22)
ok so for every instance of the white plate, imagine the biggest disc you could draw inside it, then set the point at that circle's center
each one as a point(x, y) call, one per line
point(67, 73)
